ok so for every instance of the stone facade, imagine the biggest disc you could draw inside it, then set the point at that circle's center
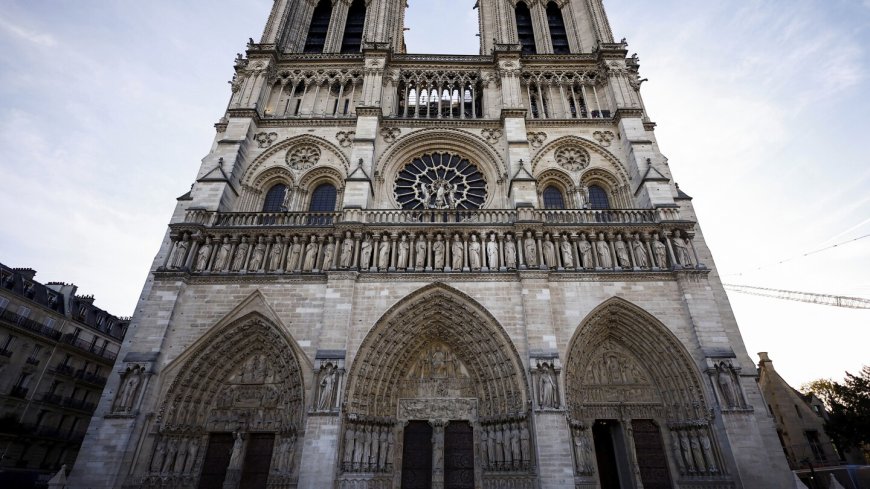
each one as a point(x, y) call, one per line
point(399, 270)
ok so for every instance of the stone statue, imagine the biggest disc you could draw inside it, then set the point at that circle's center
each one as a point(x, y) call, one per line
point(203, 255)
point(492, 252)
point(686, 450)
point(516, 448)
point(697, 456)
point(241, 255)
point(171, 453)
point(257, 255)
point(420, 252)
point(456, 252)
point(438, 252)
point(403, 252)
point(484, 453)
point(660, 251)
point(365, 255)
point(192, 451)
point(490, 447)
point(622, 252)
point(585, 248)
point(582, 452)
point(678, 453)
point(384, 252)
point(275, 254)
point(567, 250)
point(640, 258)
point(346, 257)
point(236, 455)
point(707, 447)
point(382, 447)
point(294, 259)
point(474, 253)
point(348, 447)
point(681, 249)
point(366, 445)
point(328, 253)
point(727, 387)
point(526, 444)
point(358, 441)
point(510, 253)
point(127, 394)
point(500, 453)
point(159, 456)
point(547, 387)
point(223, 255)
point(327, 387)
point(390, 443)
point(530, 250)
point(181, 454)
point(180, 252)
point(549, 252)
point(310, 255)
point(604, 258)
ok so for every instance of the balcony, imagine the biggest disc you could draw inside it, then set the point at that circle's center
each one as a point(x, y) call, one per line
point(79, 404)
point(52, 398)
point(62, 369)
point(90, 348)
point(30, 325)
point(18, 391)
point(90, 378)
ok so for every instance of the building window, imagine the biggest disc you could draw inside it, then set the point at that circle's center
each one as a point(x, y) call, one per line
point(3, 303)
point(525, 34)
point(557, 29)
point(275, 199)
point(815, 444)
point(323, 198)
point(598, 198)
point(553, 198)
point(353, 28)
point(319, 25)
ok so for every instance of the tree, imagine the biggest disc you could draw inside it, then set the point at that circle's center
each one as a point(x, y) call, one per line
point(849, 420)
point(822, 388)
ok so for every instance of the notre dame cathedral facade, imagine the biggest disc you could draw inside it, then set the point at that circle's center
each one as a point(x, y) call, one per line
point(430, 271)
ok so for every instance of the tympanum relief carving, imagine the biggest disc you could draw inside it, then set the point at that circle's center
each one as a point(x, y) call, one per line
point(437, 372)
point(614, 375)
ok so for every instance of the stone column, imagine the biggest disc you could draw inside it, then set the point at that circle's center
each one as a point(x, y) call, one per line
point(438, 453)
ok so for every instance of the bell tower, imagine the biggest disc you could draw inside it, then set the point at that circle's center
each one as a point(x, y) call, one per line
point(432, 270)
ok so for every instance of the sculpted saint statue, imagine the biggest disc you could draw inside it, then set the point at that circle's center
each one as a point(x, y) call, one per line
point(346, 257)
point(192, 451)
point(420, 252)
point(203, 255)
point(567, 250)
point(547, 387)
point(474, 253)
point(510, 252)
point(604, 258)
point(159, 456)
point(660, 252)
point(241, 255)
point(348, 447)
point(328, 253)
point(127, 395)
point(582, 452)
point(549, 252)
point(456, 252)
point(236, 455)
point(681, 249)
point(531, 250)
point(275, 254)
point(640, 257)
point(438, 252)
point(622, 252)
point(294, 261)
point(492, 252)
point(404, 250)
point(585, 252)
point(365, 256)
point(327, 386)
point(516, 450)
point(257, 255)
point(310, 255)
point(384, 252)
point(223, 255)
point(180, 252)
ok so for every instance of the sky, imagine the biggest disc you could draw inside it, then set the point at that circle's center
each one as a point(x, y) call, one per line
point(107, 107)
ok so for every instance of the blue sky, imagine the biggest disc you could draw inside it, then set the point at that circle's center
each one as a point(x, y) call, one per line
point(106, 108)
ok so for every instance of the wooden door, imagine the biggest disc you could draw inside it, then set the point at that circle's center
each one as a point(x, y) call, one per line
point(258, 458)
point(417, 456)
point(651, 458)
point(605, 454)
point(217, 457)
point(458, 456)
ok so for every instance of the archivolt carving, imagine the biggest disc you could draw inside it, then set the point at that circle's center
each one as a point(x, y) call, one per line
point(592, 148)
point(272, 175)
point(316, 175)
point(620, 353)
point(334, 154)
point(437, 342)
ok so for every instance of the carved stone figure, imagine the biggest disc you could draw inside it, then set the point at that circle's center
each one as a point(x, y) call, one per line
point(192, 452)
point(181, 454)
point(223, 255)
point(241, 255)
point(456, 252)
point(383, 444)
point(129, 389)
point(310, 255)
point(567, 250)
point(236, 455)
point(403, 252)
point(275, 254)
point(547, 387)
point(358, 440)
point(727, 386)
point(603, 250)
point(365, 255)
point(384, 253)
point(499, 447)
point(525, 436)
point(474, 253)
point(585, 248)
point(438, 252)
point(420, 252)
point(203, 255)
point(348, 447)
point(686, 450)
point(530, 250)
point(257, 255)
point(171, 452)
point(622, 252)
point(490, 446)
point(660, 251)
point(582, 452)
point(510, 253)
point(492, 252)
point(180, 252)
point(707, 447)
point(549, 252)
point(328, 253)
point(678, 452)
point(327, 388)
point(640, 257)
point(516, 446)
point(484, 453)
point(159, 456)
point(697, 456)
point(295, 256)
point(346, 256)
point(681, 249)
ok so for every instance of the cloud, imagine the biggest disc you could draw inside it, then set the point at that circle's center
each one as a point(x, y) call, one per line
point(24, 34)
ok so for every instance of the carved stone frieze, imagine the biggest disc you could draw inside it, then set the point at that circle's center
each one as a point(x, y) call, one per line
point(437, 408)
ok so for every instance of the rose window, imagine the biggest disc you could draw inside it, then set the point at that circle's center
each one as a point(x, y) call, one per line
point(303, 156)
point(572, 158)
point(440, 181)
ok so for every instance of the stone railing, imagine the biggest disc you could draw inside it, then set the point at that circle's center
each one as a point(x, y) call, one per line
point(491, 240)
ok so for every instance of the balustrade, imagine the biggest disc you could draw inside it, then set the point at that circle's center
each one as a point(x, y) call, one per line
point(430, 94)
point(565, 95)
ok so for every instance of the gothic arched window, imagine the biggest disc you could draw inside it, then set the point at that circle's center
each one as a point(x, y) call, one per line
point(319, 25)
point(353, 28)
point(323, 198)
point(557, 29)
point(598, 198)
point(275, 198)
point(553, 198)
point(525, 33)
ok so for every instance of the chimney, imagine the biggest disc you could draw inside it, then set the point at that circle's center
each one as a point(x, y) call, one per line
point(27, 273)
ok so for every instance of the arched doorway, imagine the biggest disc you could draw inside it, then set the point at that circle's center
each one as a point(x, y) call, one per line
point(437, 397)
point(637, 409)
point(232, 414)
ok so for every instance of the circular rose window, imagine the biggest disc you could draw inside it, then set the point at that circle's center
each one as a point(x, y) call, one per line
point(440, 181)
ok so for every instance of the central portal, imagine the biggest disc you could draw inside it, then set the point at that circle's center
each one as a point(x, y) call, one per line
point(417, 456)
point(458, 456)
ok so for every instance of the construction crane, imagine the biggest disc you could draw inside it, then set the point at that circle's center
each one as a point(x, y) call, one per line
point(791, 295)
